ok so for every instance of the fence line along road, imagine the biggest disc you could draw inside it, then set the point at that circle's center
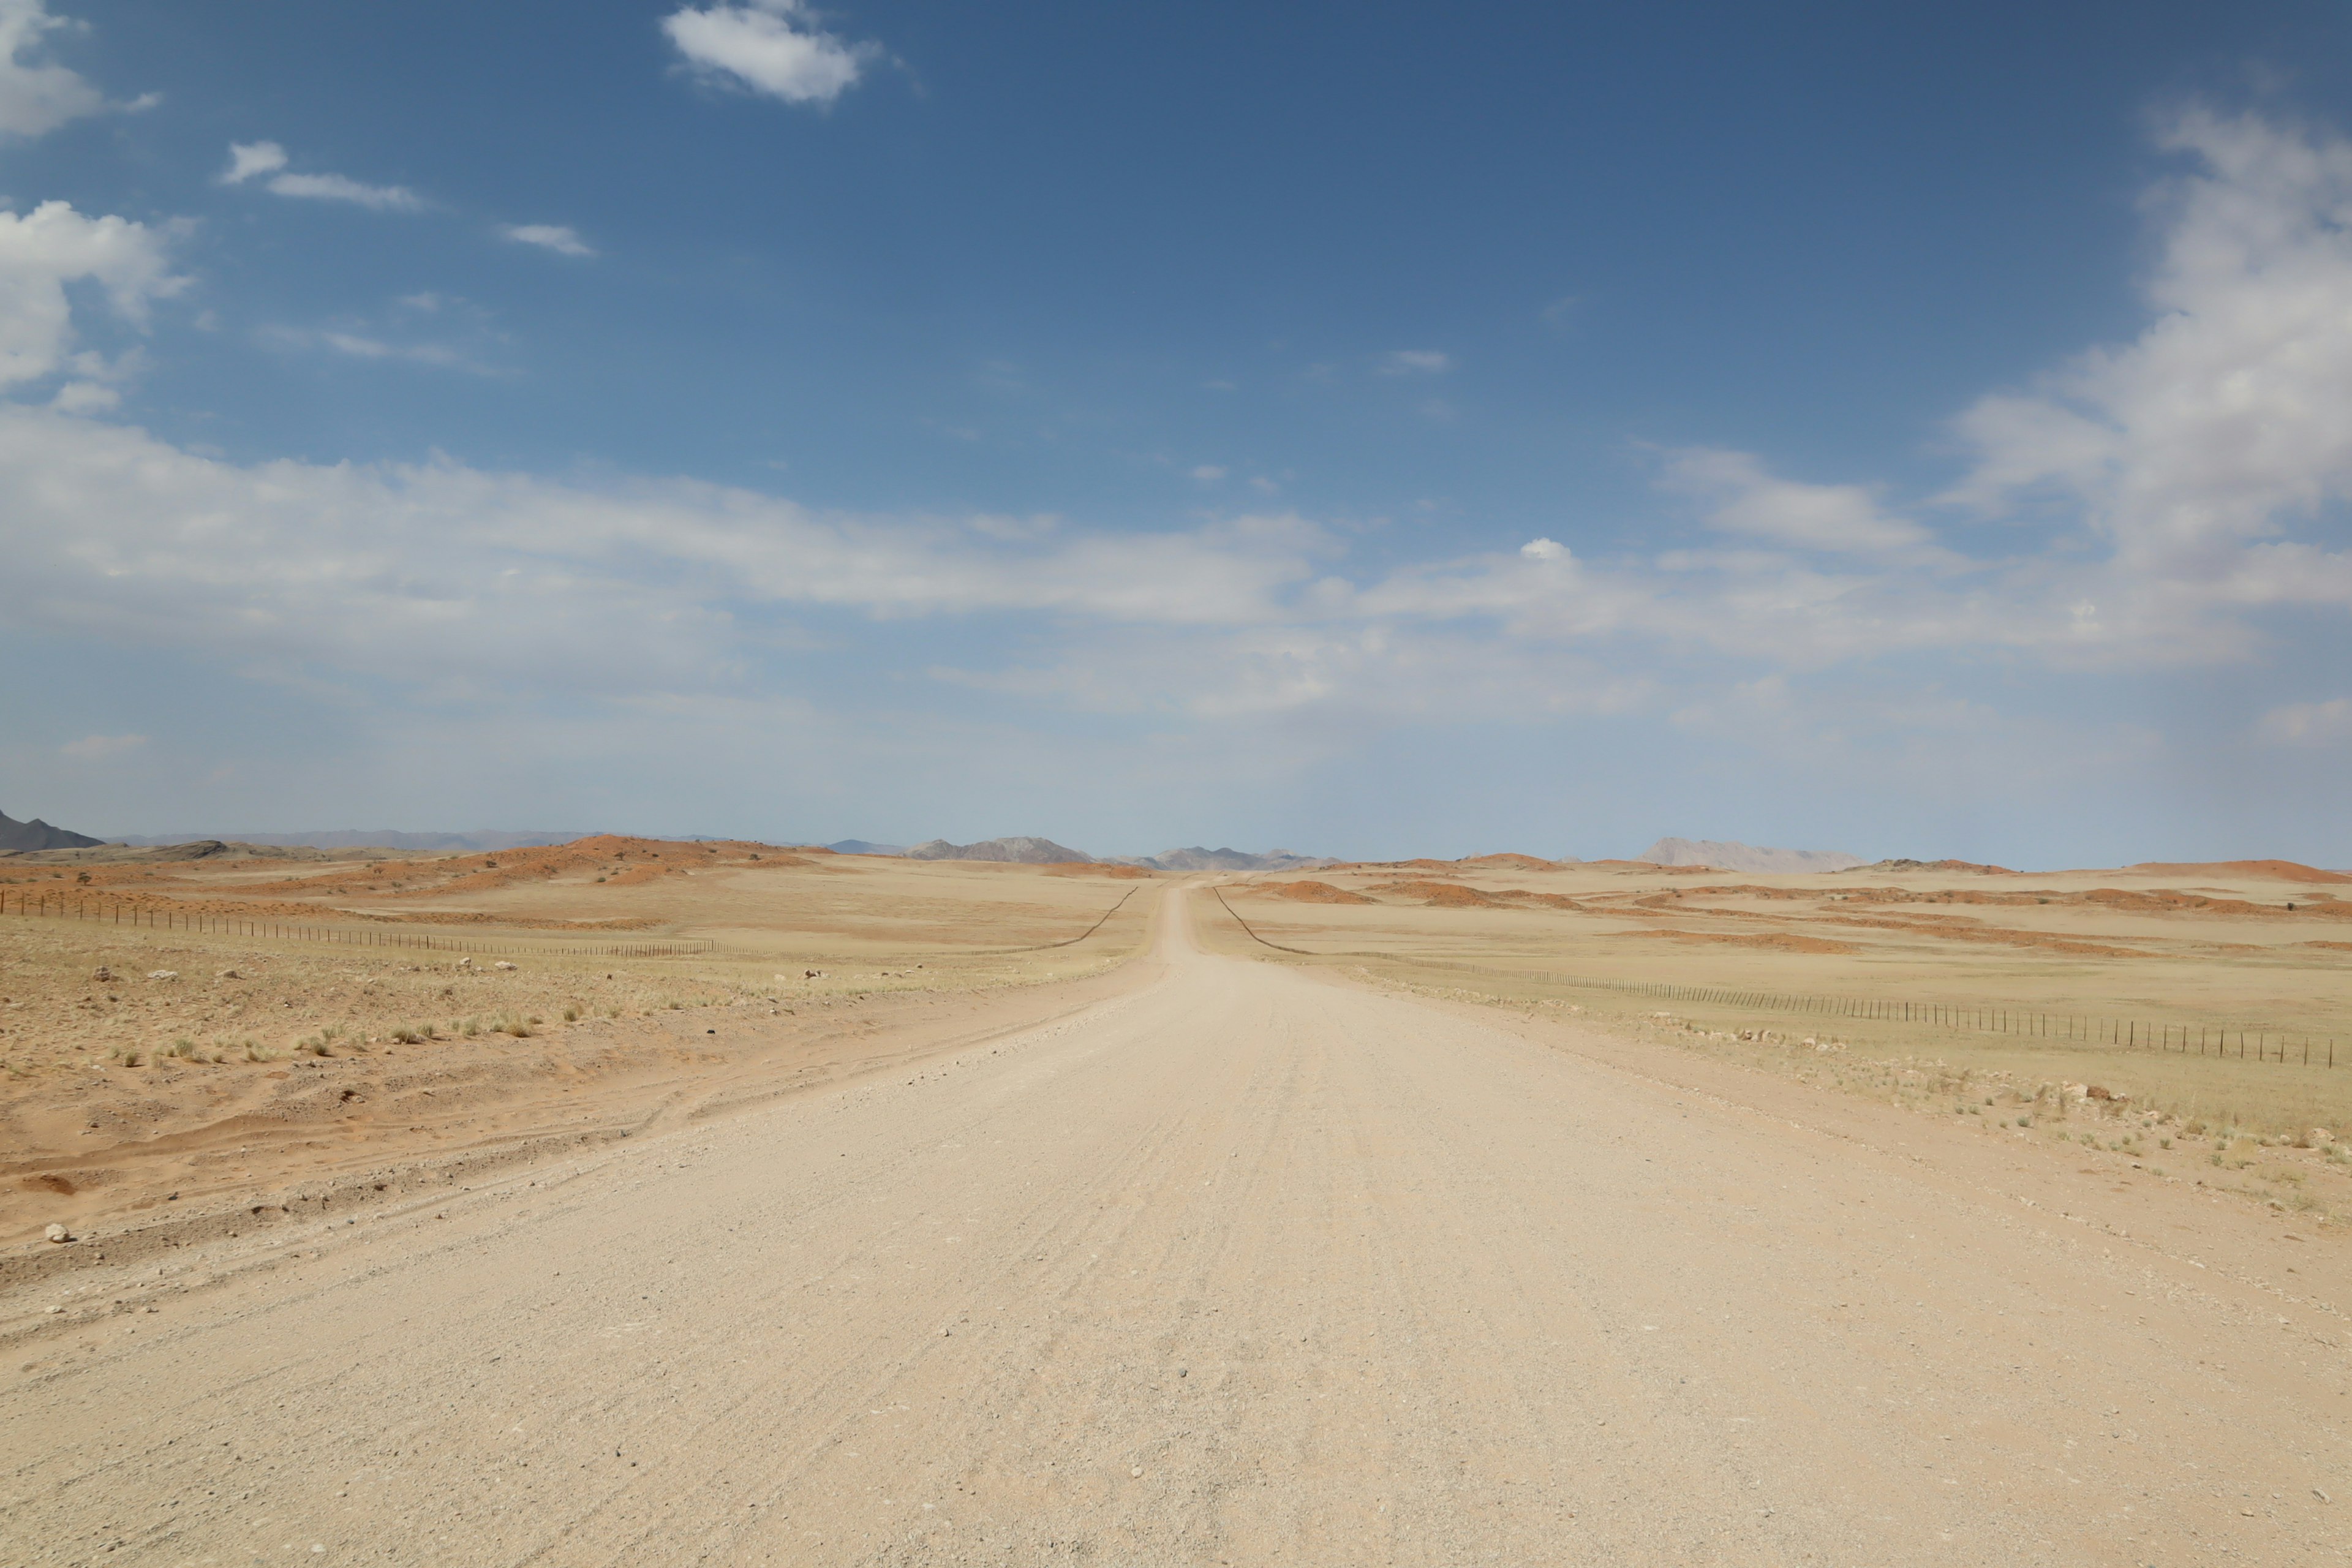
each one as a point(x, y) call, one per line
point(2238, 1043)
point(199, 922)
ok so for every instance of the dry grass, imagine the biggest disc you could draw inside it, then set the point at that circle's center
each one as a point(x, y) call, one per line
point(2196, 948)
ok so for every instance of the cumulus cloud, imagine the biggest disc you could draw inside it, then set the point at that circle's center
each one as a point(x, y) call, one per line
point(36, 96)
point(771, 47)
point(552, 236)
point(52, 246)
point(254, 160)
point(2192, 451)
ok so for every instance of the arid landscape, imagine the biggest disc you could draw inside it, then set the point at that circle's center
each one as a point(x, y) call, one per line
point(1178, 1197)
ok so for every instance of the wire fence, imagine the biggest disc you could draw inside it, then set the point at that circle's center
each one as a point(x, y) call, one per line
point(2236, 1043)
point(102, 911)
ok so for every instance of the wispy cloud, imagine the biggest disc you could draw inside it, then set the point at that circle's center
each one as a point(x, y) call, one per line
point(266, 161)
point(1415, 362)
point(770, 46)
point(1740, 497)
point(101, 748)
point(2308, 723)
point(553, 236)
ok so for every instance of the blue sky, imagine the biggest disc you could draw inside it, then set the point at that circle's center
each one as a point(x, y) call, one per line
point(1367, 429)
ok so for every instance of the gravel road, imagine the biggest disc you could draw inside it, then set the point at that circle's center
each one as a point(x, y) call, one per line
point(1242, 1266)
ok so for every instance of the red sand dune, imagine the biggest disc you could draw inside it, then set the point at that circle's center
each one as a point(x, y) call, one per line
point(2276, 870)
point(1312, 893)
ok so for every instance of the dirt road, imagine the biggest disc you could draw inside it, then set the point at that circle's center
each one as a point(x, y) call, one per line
point(1240, 1267)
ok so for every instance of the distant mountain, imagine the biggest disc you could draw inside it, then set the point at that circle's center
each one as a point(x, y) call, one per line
point(1026, 851)
point(1730, 857)
point(23, 836)
point(376, 838)
point(1198, 859)
point(860, 847)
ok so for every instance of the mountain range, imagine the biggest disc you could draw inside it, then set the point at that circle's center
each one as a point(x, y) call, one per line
point(1198, 859)
point(1728, 855)
point(1025, 851)
point(368, 839)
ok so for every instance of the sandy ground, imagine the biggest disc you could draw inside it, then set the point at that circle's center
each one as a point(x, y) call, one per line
point(144, 1066)
point(1236, 1264)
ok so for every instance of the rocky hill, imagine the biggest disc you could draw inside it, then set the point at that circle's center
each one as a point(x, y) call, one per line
point(24, 838)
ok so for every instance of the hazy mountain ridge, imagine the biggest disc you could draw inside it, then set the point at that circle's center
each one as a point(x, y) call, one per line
point(1196, 858)
point(1726, 855)
point(368, 838)
point(1021, 850)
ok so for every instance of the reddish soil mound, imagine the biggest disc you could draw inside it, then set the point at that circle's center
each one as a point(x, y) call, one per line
point(2276, 870)
point(1968, 865)
point(1965, 928)
point(1443, 895)
point(1779, 942)
point(1310, 892)
point(2331, 946)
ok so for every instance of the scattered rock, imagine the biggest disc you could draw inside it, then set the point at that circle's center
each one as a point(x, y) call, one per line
point(57, 1233)
point(465, 964)
point(162, 974)
point(502, 964)
point(230, 975)
point(1135, 1470)
point(101, 973)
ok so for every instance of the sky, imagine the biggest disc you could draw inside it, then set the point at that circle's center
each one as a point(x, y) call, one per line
point(1367, 430)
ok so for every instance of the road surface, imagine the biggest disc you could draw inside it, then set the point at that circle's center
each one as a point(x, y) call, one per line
point(1244, 1267)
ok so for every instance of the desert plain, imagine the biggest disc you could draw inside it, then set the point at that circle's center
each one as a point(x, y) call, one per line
point(634, 1201)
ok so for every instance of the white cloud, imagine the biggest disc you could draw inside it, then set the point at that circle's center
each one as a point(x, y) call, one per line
point(1742, 497)
point(1208, 473)
point(42, 251)
point(2308, 723)
point(251, 160)
point(2191, 449)
point(340, 188)
point(548, 236)
point(36, 96)
point(99, 748)
point(247, 159)
point(1415, 362)
point(759, 45)
point(422, 576)
point(360, 347)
